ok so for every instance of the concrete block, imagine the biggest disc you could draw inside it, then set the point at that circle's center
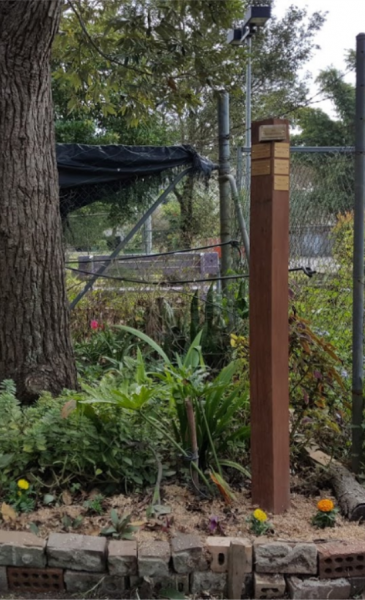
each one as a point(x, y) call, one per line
point(3, 580)
point(174, 581)
point(317, 589)
point(357, 586)
point(153, 559)
point(218, 548)
point(83, 581)
point(77, 552)
point(269, 586)
point(207, 581)
point(187, 554)
point(122, 557)
point(341, 559)
point(284, 557)
point(22, 549)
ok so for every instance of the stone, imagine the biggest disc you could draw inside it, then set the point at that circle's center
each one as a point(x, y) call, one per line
point(286, 557)
point(122, 557)
point(218, 548)
point(22, 549)
point(153, 559)
point(84, 581)
point(207, 581)
point(317, 589)
point(341, 559)
point(77, 552)
point(3, 580)
point(269, 586)
point(181, 583)
point(187, 554)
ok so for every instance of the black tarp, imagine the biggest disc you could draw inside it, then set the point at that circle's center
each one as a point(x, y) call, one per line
point(79, 164)
point(90, 173)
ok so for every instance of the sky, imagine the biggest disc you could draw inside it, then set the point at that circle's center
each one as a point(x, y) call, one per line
point(345, 20)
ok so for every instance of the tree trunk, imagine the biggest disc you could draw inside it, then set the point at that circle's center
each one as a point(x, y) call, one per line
point(185, 199)
point(35, 343)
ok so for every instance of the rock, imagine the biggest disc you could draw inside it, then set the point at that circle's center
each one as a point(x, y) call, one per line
point(84, 581)
point(22, 549)
point(122, 557)
point(77, 552)
point(286, 557)
point(317, 589)
point(187, 554)
point(153, 559)
point(207, 581)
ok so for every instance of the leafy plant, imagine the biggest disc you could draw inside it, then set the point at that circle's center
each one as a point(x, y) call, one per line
point(21, 496)
point(216, 402)
point(259, 523)
point(95, 504)
point(316, 387)
point(326, 514)
point(70, 524)
point(63, 442)
point(121, 527)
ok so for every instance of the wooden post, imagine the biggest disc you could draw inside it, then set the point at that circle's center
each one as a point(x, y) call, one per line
point(236, 570)
point(269, 330)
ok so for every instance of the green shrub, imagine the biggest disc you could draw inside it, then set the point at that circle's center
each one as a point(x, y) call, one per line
point(59, 441)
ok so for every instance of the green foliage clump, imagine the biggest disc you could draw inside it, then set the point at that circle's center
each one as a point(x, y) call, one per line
point(58, 441)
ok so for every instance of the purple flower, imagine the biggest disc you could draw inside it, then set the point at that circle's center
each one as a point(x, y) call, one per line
point(213, 524)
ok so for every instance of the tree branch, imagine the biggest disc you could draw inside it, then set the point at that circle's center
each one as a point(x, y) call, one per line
point(96, 47)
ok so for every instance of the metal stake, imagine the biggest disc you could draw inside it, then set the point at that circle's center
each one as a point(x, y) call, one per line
point(358, 269)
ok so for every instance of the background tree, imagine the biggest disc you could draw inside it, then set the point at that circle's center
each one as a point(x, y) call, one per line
point(329, 177)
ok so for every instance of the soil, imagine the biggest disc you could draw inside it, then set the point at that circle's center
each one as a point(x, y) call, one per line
point(187, 513)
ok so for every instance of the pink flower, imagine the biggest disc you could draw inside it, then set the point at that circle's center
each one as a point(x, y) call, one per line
point(94, 324)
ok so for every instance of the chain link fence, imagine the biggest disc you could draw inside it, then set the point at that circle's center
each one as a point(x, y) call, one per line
point(321, 238)
point(163, 271)
point(176, 253)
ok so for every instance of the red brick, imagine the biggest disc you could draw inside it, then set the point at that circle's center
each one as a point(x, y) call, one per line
point(341, 559)
point(21, 579)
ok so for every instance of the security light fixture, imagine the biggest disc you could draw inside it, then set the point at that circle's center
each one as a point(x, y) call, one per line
point(256, 16)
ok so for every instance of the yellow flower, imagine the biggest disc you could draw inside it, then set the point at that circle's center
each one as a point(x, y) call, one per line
point(325, 505)
point(233, 340)
point(23, 484)
point(260, 515)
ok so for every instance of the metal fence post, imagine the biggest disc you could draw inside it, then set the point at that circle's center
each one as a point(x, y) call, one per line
point(358, 266)
point(224, 185)
point(248, 114)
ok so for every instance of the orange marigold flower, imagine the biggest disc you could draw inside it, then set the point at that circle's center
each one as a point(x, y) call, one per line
point(325, 505)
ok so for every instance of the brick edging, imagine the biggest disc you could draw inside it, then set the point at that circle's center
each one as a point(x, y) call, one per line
point(269, 569)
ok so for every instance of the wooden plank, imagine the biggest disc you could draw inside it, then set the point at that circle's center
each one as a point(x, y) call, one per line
point(269, 335)
point(236, 572)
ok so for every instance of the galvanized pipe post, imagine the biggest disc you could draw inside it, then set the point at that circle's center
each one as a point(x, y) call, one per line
point(358, 266)
point(225, 208)
point(248, 116)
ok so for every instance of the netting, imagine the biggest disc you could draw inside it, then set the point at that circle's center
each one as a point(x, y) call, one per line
point(166, 278)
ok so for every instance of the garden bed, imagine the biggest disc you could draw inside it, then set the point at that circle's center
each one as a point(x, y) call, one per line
point(188, 513)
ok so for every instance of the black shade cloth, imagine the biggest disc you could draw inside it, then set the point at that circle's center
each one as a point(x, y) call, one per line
point(82, 165)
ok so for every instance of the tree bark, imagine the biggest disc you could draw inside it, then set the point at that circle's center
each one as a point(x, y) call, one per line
point(185, 199)
point(35, 343)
